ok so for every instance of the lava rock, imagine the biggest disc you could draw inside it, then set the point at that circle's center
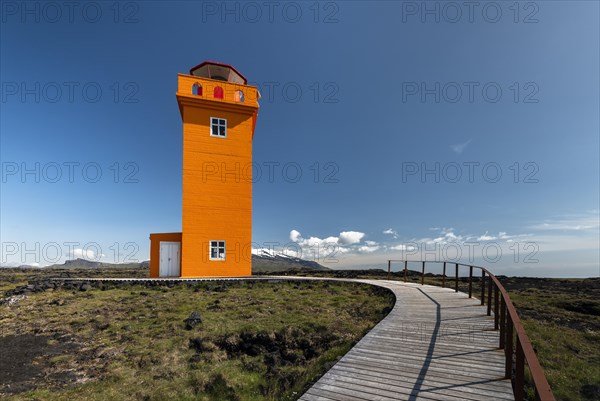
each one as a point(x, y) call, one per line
point(201, 345)
point(272, 359)
point(193, 320)
point(590, 391)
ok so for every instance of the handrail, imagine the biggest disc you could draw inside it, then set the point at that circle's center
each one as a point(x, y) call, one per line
point(506, 319)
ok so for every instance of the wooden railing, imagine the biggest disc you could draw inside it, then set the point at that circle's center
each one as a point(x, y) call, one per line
point(517, 348)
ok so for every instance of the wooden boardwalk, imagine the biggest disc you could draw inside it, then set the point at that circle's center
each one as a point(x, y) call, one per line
point(436, 344)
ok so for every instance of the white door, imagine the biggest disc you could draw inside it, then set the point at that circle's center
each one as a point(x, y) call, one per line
point(169, 259)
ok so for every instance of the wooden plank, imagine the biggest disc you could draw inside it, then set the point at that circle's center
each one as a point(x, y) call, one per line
point(435, 378)
point(410, 349)
point(404, 389)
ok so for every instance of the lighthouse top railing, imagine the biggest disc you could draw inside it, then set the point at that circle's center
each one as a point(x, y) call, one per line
point(213, 89)
point(513, 338)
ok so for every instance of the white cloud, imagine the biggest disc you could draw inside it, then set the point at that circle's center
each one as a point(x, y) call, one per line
point(446, 230)
point(295, 236)
point(486, 237)
point(451, 236)
point(460, 147)
point(447, 235)
point(391, 232)
point(350, 237)
point(88, 254)
point(318, 249)
point(402, 247)
point(584, 223)
point(345, 238)
point(316, 241)
point(371, 243)
point(368, 249)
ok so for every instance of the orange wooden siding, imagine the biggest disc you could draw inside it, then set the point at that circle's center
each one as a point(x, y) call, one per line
point(217, 174)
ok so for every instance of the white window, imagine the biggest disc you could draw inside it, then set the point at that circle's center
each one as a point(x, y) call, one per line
point(218, 127)
point(217, 250)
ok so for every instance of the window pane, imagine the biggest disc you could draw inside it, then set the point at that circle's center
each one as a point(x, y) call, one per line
point(213, 243)
point(222, 131)
point(215, 130)
point(222, 244)
point(213, 253)
point(222, 122)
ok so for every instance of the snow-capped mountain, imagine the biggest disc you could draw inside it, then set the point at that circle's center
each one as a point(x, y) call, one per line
point(269, 260)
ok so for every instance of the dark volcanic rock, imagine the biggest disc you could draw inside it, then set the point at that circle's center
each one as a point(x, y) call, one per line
point(25, 358)
point(273, 359)
point(193, 320)
point(217, 387)
point(585, 307)
point(590, 391)
point(201, 344)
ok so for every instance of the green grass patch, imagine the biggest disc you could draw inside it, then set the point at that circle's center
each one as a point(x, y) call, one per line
point(562, 321)
point(256, 341)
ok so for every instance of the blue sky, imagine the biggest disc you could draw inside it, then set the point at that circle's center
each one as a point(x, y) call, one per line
point(420, 129)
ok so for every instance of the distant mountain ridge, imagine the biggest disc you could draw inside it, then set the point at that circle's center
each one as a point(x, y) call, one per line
point(267, 261)
point(263, 262)
point(80, 263)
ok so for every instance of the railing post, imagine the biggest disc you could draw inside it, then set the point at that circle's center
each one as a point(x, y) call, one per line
point(444, 276)
point(502, 322)
point(519, 373)
point(470, 281)
point(482, 287)
point(490, 284)
point(389, 268)
point(423, 273)
point(508, 349)
point(496, 314)
point(405, 270)
point(456, 278)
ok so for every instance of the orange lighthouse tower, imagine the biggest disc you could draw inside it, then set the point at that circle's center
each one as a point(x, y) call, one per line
point(219, 111)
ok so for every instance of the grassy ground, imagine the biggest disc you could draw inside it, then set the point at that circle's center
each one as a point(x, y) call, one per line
point(562, 320)
point(257, 341)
